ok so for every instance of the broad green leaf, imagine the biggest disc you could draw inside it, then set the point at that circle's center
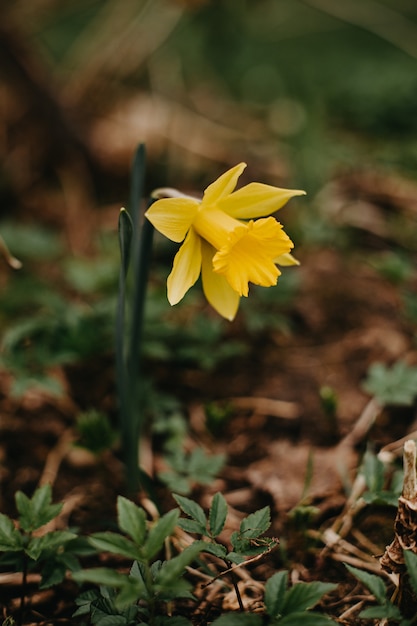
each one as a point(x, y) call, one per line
point(174, 620)
point(113, 620)
point(217, 514)
point(387, 611)
point(191, 526)
point(256, 524)
point(275, 589)
point(235, 557)
point(162, 529)
point(303, 596)
point(191, 508)
point(305, 618)
point(215, 548)
point(238, 619)
point(411, 564)
point(10, 538)
point(116, 544)
point(131, 519)
point(131, 592)
point(101, 576)
point(371, 581)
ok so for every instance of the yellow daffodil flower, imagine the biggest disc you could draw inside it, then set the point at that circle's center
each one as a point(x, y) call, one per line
point(223, 240)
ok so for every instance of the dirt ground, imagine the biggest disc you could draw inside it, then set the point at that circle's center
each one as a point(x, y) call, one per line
point(345, 317)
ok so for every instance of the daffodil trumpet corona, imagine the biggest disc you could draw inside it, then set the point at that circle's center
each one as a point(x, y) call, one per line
point(229, 237)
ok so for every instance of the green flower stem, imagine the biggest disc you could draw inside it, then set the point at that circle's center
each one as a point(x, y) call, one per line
point(128, 342)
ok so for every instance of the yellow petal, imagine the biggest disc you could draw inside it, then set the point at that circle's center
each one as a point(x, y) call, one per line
point(223, 186)
point(173, 216)
point(250, 254)
point(256, 200)
point(216, 288)
point(186, 268)
point(286, 260)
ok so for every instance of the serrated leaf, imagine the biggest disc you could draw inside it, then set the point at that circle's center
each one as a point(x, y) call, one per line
point(411, 564)
point(36, 511)
point(305, 618)
point(49, 541)
point(191, 526)
point(235, 557)
point(217, 514)
point(303, 596)
point(275, 589)
point(256, 524)
point(371, 581)
point(215, 548)
point(162, 529)
point(191, 508)
point(131, 519)
point(116, 544)
point(10, 538)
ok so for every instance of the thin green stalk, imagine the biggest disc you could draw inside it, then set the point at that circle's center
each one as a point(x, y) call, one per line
point(135, 242)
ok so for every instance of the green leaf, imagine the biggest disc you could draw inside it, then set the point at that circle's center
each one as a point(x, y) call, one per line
point(132, 591)
point(306, 618)
point(36, 511)
point(411, 564)
point(174, 568)
point(256, 524)
point(125, 238)
point(396, 385)
point(275, 589)
point(191, 508)
point(238, 619)
point(371, 581)
point(215, 548)
point(191, 526)
point(162, 529)
point(101, 576)
point(49, 541)
point(373, 471)
point(387, 611)
point(303, 596)
point(217, 514)
point(131, 519)
point(116, 544)
point(10, 538)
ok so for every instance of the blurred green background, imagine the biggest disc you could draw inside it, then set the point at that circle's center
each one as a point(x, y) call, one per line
point(300, 89)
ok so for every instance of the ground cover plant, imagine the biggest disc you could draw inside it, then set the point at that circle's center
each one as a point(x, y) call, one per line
point(163, 464)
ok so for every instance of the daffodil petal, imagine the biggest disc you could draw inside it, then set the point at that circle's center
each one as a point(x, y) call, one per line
point(286, 260)
point(249, 255)
point(256, 200)
point(216, 288)
point(223, 186)
point(186, 268)
point(173, 217)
